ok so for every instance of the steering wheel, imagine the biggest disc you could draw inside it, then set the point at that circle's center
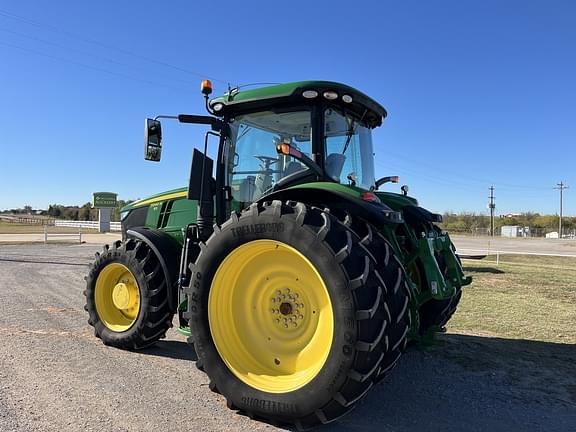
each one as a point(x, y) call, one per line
point(267, 160)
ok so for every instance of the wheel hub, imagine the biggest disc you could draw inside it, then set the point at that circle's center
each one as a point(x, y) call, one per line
point(287, 309)
point(117, 297)
point(121, 296)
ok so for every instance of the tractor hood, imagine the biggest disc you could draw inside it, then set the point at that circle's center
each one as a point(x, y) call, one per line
point(162, 196)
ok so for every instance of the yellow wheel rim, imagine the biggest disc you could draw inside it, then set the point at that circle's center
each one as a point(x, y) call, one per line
point(270, 316)
point(117, 297)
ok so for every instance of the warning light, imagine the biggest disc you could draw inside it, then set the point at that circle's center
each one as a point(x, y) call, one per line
point(287, 150)
point(206, 87)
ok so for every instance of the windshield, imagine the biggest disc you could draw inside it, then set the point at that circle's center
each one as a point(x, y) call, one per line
point(253, 164)
point(349, 154)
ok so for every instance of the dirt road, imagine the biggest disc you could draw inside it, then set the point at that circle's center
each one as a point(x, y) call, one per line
point(55, 376)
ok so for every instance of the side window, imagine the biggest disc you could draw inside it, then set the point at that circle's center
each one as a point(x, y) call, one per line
point(349, 156)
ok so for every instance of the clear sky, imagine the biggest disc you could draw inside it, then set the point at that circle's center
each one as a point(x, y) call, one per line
point(478, 92)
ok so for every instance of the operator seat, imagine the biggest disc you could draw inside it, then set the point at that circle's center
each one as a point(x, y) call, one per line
point(246, 190)
point(293, 167)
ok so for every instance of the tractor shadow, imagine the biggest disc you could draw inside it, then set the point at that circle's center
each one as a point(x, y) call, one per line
point(474, 269)
point(174, 349)
point(459, 383)
point(473, 383)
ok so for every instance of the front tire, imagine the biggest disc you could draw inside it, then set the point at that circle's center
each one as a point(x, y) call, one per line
point(126, 296)
point(288, 314)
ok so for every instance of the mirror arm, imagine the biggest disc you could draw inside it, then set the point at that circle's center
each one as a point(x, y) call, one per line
point(215, 123)
point(166, 117)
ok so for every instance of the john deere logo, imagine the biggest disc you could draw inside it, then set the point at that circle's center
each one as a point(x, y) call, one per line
point(103, 200)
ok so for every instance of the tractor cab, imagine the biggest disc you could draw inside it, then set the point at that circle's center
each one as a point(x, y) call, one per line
point(296, 133)
point(277, 137)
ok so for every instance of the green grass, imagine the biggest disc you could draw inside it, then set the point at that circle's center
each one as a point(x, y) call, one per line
point(524, 297)
point(12, 228)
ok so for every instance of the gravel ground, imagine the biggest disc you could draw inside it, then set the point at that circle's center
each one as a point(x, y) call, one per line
point(56, 376)
point(468, 244)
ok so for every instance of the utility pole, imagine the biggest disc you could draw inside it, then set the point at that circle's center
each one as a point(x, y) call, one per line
point(492, 207)
point(561, 187)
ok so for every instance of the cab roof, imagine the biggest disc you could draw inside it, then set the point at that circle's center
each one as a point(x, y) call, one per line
point(238, 101)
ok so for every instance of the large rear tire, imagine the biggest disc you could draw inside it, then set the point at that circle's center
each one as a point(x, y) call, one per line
point(398, 294)
point(289, 314)
point(126, 296)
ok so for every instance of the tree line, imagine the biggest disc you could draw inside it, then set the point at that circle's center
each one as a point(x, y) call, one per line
point(475, 222)
point(58, 211)
point(453, 222)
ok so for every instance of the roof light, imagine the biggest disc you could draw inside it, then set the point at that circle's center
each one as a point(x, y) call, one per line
point(218, 107)
point(206, 87)
point(347, 99)
point(330, 95)
point(310, 94)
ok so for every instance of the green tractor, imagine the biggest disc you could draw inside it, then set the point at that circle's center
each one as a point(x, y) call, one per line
point(298, 282)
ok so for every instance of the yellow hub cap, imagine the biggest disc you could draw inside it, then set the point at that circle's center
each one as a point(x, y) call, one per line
point(117, 297)
point(270, 316)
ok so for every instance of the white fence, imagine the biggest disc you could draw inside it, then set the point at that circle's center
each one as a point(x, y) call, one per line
point(114, 226)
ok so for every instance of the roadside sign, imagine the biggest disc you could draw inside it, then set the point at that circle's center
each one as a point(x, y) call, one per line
point(104, 199)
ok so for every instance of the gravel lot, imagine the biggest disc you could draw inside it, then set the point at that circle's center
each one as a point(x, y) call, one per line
point(56, 376)
point(466, 244)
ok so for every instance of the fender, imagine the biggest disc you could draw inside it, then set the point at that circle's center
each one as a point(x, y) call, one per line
point(375, 213)
point(167, 252)
point(414, 214)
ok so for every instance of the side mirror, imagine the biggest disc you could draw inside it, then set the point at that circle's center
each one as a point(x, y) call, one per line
point(152, 140)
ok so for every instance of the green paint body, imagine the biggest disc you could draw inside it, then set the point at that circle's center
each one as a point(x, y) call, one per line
point(432, 268)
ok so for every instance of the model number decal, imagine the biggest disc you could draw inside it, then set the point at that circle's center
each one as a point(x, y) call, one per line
point(259, 228)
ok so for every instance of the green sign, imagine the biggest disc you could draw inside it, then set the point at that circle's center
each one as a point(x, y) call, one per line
point(104, 200)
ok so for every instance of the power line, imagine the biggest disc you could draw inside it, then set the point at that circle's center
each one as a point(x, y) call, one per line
point(492, 207)
point(84, 39)
point(561, 187)
point(99, 57)
point(98, 69)
point(467, 178)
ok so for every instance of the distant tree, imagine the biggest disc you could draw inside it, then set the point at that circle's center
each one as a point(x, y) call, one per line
point(85, 212)
point(116, 211)
point(55, 210)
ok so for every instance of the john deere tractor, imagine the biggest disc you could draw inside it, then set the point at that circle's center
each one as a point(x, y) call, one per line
point(298, 282)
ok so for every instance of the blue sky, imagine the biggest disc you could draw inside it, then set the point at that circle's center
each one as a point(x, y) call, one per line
point(478, 92)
